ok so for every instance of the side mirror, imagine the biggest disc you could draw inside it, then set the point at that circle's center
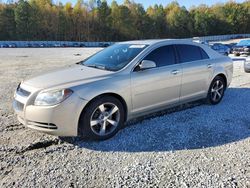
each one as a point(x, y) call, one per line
point(147, 64)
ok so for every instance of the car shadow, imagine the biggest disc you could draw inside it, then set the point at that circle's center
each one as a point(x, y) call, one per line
point(191, 126)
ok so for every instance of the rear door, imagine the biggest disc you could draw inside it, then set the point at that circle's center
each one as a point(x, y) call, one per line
point(196, 71)
point(158, 86)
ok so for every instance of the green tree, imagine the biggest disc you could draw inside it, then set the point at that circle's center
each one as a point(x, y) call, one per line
point(246, 7)
point(103, 20)
point(178, 20)
point(7, 23)
point(204, 21)
point(95, 20)
point(158, 25)
point(140, 20)
point(22, 18)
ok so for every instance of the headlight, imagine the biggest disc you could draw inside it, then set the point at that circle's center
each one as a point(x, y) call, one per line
point(49, 98)
point(18, 87)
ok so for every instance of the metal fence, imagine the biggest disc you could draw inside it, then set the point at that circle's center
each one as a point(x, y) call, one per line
point(53, 44)
point(224, 37)
point(104, 44)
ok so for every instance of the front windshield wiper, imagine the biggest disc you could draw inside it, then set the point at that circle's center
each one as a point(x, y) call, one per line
point(97, 66)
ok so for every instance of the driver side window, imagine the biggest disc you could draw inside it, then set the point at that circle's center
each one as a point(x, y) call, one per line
point(162, 56)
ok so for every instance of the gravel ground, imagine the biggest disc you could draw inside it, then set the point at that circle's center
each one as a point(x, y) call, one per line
point(194, 145)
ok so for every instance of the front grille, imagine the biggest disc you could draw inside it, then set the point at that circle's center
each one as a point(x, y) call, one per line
point(42, 125)
point(18, 105)
point(22, 92)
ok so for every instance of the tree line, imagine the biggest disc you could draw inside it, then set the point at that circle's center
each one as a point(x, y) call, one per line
point(96, 20)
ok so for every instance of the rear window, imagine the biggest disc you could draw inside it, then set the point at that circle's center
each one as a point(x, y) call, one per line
point(204, 54)
point(189, 53)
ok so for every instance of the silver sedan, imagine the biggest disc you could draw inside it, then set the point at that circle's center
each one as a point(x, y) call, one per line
point(95, 97)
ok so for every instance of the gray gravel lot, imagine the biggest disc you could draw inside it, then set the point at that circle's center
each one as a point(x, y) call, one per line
point(195, 145)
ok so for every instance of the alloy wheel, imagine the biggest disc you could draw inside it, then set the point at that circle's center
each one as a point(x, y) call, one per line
point(105, 119)
point(217, 91)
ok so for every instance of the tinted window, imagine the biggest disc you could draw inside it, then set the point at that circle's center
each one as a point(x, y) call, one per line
point(204, 54)
point(189, 53)
point(162, 56)
point(215, 47)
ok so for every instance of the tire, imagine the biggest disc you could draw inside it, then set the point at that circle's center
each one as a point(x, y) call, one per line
point(102, 118)
point(247, 70)
point(216, 90)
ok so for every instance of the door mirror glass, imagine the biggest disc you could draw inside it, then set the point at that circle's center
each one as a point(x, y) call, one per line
point(146, 64)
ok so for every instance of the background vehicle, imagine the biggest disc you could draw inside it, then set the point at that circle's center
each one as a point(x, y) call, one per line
point(221, 48)
point(242, 48)
point(57, 45)
point(247, 65)
point(104, 45)
point(36, 45)
point(12, 45)
point(43, 45)
point(28, 45)
point(122, 82)
point(76, 45)
point(4, 45)
point(199, 40)
point(231, 46)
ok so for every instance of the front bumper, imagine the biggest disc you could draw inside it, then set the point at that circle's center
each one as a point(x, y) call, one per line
point(61, 119)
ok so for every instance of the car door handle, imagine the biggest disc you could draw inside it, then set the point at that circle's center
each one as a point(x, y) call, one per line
point(209, 66)
point(175, 72)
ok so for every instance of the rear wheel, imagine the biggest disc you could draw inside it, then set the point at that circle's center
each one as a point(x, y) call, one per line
point(216, 90)
point(102, 119)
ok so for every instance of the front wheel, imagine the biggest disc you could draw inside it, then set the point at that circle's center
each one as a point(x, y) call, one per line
point(216, 90)
point(102, 118)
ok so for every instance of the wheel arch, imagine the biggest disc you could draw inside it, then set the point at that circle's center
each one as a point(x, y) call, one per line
point(222, 76)
point(115, 95)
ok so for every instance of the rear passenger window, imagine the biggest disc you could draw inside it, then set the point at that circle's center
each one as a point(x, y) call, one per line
point(162, 56)
point(189, 53)
point(204, 54)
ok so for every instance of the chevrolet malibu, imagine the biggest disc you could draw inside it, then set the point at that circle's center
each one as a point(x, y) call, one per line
point(95, 97)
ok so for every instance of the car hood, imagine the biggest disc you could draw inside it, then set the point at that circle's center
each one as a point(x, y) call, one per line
point(67, 75)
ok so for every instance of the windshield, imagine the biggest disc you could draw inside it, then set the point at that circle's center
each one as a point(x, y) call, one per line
point(114, 57)
point(243, 43)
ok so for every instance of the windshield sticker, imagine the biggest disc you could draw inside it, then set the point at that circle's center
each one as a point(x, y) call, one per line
point(137, 46)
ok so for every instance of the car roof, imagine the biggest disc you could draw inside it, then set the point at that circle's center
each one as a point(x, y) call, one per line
point(152, 42)
point(155, 41)
point(245, 42)
point(248, 40)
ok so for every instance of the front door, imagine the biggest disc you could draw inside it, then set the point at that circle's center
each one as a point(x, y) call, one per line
point(157, 87)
